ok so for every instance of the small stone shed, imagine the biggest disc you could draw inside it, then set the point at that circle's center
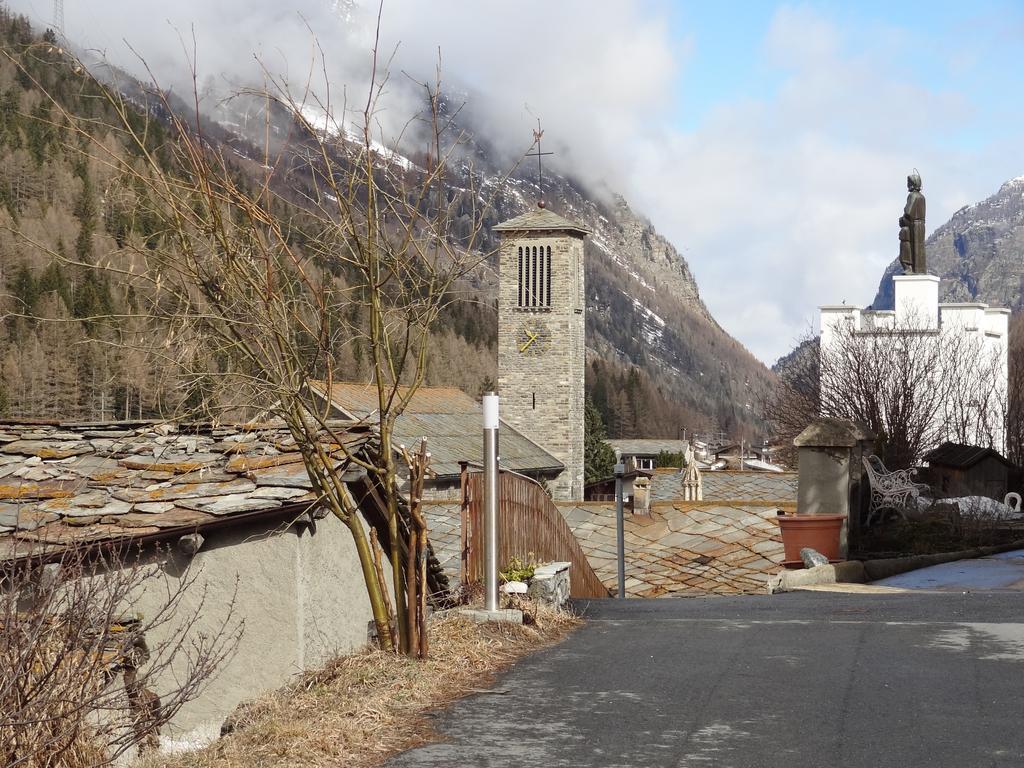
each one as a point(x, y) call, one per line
point(265, 547)
point(955, 469)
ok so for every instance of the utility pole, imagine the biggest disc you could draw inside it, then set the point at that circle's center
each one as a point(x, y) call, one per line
point(58, 18)
point(620, 470)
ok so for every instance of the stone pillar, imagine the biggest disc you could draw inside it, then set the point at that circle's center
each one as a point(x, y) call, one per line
point(831, 475)
point(917, 301)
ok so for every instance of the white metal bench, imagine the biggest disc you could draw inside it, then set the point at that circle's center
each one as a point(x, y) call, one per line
point(890, 490)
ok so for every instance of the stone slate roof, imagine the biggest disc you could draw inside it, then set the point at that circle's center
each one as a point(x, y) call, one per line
point(694, 548)
point(727, 544)
point(62, 483)
point(451, 422)
point(828, 431)
point(683, 547)
point(959, 456)
point(541, 219)
point(778, 488)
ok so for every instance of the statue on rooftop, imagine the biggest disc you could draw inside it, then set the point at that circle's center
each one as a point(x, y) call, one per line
point(912, 256)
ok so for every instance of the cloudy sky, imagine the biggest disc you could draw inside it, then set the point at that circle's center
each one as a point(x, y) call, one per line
point(769, 141)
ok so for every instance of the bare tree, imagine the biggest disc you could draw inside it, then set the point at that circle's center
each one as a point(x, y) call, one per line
point(914, 387)
point(84, 676)
point(268, 275)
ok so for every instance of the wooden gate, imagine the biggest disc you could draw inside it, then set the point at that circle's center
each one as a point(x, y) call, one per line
point(529, 524)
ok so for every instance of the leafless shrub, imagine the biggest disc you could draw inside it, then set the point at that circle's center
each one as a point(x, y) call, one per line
point(270, 270)
point(914, 387)
point(85, 676)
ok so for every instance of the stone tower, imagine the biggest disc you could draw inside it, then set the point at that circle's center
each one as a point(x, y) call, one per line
point(541, 353)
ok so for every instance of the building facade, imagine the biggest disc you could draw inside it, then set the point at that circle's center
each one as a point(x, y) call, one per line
point(967, 342)
point(541, 338)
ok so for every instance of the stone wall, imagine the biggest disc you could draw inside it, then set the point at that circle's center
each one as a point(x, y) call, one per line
point(542, 390)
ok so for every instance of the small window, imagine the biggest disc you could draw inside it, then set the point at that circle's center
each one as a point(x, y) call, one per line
point(534, 266)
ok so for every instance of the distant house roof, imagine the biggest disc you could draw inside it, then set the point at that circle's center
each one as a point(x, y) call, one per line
point(541, 218)
point(63, 483)
point(450, 420)
point(762, 466)
point(359, 401)
point(646, 446)
point(961, 456)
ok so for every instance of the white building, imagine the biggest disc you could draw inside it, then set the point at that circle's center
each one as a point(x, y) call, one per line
point(969, 331)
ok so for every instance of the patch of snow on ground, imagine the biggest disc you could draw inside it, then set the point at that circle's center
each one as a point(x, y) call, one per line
point(650, 315)
point(978, 506)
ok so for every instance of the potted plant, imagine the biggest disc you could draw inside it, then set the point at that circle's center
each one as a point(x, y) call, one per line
point(819, 532)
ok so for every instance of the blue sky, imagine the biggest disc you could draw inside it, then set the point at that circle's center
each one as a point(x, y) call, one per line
point(974, 48)
point(769, 141)
point(950, 101)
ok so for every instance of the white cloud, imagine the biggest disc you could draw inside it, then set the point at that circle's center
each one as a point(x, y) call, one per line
point(781, 202)
point(790, 201)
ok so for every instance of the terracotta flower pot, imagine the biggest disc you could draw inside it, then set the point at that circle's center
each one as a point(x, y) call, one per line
point(819, 532)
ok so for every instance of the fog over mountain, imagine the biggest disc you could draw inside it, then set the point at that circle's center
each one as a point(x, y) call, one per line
point(782, 195)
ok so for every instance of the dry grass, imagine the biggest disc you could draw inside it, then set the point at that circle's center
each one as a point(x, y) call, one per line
point(362, 708)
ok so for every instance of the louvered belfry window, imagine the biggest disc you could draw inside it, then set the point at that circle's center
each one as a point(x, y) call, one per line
point(534, 277)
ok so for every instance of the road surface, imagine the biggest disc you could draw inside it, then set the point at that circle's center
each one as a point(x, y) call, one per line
point(799, 679)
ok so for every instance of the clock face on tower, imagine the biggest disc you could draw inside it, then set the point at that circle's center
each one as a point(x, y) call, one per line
point(533, 338)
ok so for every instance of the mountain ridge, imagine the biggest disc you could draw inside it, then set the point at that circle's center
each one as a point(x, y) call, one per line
point(657, 360)
point(978, 253)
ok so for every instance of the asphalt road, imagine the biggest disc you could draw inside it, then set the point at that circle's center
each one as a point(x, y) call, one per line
point(800, 679)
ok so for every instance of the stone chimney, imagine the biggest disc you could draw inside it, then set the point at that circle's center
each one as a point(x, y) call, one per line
point(641, 495)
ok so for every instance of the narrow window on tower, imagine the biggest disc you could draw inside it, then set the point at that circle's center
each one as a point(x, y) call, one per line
point(526, 277)
point(520, 278)
point(534, 400)
point(547, 274)
point(541, 274)
point(534, 275)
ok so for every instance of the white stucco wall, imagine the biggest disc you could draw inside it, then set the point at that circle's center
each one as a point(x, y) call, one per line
point(985, 332)
point(299, 595)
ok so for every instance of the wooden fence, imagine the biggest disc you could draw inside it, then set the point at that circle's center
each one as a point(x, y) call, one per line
point(529, 525)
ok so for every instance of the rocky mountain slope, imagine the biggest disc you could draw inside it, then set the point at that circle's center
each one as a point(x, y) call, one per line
point(658, 361)
point(978, 253)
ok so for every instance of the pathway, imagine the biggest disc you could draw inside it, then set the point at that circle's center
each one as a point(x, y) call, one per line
point(796, 680)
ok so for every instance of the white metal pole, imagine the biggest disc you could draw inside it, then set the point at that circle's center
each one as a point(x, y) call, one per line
point(490, 403)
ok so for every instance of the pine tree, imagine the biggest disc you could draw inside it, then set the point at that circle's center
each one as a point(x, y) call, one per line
point(85, 212)
point(53, 280)
point(598, 456)
point(25, 289)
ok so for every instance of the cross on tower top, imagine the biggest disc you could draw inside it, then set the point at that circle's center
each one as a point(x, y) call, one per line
point(537, 135)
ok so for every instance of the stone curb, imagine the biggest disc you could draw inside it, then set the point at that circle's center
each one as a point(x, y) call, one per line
point(860, 572)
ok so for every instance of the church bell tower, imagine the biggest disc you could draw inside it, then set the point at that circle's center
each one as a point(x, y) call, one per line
point(541, 323)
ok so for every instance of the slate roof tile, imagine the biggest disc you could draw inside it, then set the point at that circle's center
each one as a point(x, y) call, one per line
point(68, 482)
